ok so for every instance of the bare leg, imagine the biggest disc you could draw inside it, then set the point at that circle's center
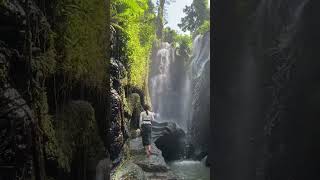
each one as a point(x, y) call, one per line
point(149, 149)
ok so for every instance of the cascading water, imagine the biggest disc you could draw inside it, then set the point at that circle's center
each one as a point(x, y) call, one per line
point(199, 122)
point(180, 93)
point(168, 90)
point(160, 82)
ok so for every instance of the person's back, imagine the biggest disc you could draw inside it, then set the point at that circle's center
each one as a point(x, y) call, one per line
point(145, 123)
point(146, 117)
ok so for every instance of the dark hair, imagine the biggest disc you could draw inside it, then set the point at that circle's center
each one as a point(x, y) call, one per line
point(146, 108)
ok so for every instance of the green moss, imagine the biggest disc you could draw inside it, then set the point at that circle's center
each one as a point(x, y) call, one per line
point(136, 21)
point(82, 40)
point(75, 128)
point(72, 129)
point(45, 63)
point(134, 102)
point(126, 107)
point(2, 2)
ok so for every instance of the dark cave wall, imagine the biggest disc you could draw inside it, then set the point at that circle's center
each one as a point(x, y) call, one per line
point(33, 93)
point(265, 106)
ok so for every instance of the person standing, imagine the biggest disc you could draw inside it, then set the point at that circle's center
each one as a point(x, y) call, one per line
point(145, 124)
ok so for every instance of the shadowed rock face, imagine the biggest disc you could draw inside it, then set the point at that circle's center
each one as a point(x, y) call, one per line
point(103, 169)
point(170, 139)
point(16, 123)
point(200, 86)
point(118, 131)
point(265, 105)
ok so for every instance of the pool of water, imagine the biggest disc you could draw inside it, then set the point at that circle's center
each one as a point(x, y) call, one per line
point(190, 170)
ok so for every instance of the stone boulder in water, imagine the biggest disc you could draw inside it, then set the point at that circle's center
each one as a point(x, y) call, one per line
point(170, 139)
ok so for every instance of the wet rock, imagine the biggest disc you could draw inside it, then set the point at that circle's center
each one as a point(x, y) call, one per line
point(103, 169)
point(117, 132)
point(117, 74)
point(130, 171)
point(155, 163)
point(163, 176)
point(200, 118)
point(153, 167)
point(205, 161)
point(170, 139)
point(136, 108)
point(16, 126)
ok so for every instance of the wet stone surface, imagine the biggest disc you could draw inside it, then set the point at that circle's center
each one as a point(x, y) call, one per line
point(139, 165)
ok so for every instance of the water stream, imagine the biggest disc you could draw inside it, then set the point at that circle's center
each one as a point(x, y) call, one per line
point(190, 170)
point(176, 90)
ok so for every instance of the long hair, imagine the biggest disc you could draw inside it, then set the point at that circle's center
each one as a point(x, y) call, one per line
point(146, 108)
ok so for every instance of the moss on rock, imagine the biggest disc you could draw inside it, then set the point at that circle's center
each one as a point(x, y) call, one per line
point(81, 27)
point(75, 128)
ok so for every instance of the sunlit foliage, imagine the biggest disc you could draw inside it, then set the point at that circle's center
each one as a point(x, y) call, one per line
point(136, 20)
point(81, 43)
point(196, 15)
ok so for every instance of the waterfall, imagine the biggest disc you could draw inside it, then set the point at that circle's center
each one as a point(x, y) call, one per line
point(160, 83)
point(176, 88)
point(168, 86)
point(199, 93)
point(200, 54)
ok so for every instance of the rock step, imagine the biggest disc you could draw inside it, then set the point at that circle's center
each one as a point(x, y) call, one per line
point(139, 166)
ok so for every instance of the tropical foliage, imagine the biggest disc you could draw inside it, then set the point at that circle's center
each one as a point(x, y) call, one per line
point(182, 42)
point(135, 22)
point(81, 41)
point(197, 14)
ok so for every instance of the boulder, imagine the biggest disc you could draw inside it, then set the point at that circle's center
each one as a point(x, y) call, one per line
point(170, 139)
point(155, 163)
point(129, 171)
point(139, 166)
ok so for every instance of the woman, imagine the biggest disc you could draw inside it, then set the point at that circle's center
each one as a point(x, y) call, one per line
point(146, 117)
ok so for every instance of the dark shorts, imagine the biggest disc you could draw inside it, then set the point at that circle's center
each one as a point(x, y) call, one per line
point(146, 134)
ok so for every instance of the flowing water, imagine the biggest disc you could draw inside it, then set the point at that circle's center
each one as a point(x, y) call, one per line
point(169, 87)
point(177, 91)
point(190, 170)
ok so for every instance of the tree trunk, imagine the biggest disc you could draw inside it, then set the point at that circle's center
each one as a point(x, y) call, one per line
point(160, 19)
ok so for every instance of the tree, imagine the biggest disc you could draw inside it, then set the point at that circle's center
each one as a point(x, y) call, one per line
point(184, 43)
point(196, 14)
point(134, 26)
point(169, 35)
point(160, 17)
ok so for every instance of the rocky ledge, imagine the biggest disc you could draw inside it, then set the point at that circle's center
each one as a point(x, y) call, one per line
point(138, 166)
